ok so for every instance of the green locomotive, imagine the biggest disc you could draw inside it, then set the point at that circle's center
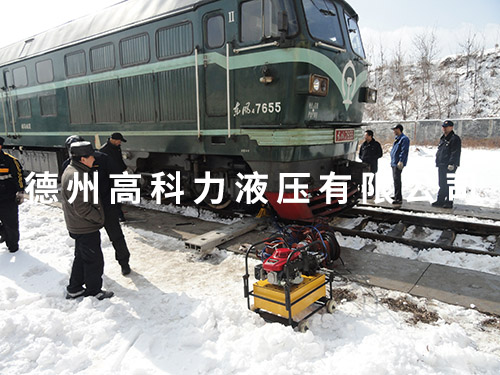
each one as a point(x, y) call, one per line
point(226, 86)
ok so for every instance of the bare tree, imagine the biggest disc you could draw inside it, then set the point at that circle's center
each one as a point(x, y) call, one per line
point(444, 91)
point(478, 79)
point(399, 82)
point(425, 45)
point(469, 48)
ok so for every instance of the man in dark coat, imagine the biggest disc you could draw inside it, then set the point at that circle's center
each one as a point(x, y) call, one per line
point(113, 149)
point(369, 153)
point(447, 161)
point(399, 158)
point(104, 166)
point(83, 220)
point(12, 186)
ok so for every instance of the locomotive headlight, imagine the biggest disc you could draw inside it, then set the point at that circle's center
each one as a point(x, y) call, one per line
point(318, 85)
point(367, 95)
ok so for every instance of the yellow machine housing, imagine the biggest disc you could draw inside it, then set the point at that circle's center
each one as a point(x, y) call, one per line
point(263, 288)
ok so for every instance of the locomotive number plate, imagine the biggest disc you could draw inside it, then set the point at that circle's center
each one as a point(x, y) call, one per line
point(344, 135)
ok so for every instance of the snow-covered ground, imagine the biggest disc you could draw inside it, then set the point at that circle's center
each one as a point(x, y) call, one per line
point(477, 179)
point(176, 314)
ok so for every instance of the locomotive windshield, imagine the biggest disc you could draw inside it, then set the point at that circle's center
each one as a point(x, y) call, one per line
point(354, 35)
point(260, 19)
point(323, 21)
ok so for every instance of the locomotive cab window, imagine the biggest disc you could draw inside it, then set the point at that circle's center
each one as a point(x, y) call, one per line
point(354, 36)
point(323, 21)
point(215, 31)
point(20, 76)
point(44, 71)
point(260, 19)
point(7, 76)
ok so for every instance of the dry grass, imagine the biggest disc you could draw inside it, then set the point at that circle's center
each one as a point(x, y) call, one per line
point(420, 314)
point(491, 322)
point(340, 295)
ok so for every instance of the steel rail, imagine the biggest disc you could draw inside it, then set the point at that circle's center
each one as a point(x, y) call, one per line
point(445, 242)
point(458, 226)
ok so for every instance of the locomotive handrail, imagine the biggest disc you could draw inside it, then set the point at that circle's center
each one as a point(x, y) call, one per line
point(12, 112)
point(5, 116)
point(321, 44)
point(197, 78)
point(228, 93)
point(272, 44)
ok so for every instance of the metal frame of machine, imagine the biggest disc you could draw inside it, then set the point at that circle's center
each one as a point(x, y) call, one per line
point(289, 300)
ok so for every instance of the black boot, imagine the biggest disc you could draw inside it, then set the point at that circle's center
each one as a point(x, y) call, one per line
point(125, 269)
point(448, 204)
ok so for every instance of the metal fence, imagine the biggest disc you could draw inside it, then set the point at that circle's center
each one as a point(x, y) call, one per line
point(483, 131)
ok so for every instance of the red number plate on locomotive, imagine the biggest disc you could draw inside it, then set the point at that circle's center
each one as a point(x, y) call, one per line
point(344, 135)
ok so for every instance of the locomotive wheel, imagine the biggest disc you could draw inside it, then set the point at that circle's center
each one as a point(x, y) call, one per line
point(303, 326)
point(221, 206)
point(330, 306)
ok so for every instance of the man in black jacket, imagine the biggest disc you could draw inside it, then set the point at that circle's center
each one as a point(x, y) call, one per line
point(113, 149)
point(83, 220)
point(447, 161)
point(369, 153)
point(11, 196)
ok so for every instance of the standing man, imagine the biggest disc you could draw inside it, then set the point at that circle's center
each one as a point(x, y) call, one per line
point(104, 165)
point(447, 161)
point(83, 220)
point(369, 153)
point(113, 149)
point(11, 196)
point(399, 157)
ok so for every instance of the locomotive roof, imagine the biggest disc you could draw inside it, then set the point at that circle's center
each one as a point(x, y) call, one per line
point(115, 17)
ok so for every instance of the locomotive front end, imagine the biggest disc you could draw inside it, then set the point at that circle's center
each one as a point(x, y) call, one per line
point(301, 104)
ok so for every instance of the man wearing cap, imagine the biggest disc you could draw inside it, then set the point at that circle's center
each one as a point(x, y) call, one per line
point(104, 165)
point(447, 161)
point(369, 153)
point(113, 149)
point(84, 218)
point(11, 196)
point(399, 157)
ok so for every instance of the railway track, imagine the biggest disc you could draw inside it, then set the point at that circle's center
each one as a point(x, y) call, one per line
point(422, 232)
point(418, 231)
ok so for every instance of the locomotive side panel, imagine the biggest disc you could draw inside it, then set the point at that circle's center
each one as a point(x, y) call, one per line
point(229, 86)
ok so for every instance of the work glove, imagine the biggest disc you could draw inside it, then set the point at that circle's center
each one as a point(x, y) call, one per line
point(19, 197)
point(400, 166)
point(451, 168)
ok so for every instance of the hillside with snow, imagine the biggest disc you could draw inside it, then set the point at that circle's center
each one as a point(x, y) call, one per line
point(458, 86)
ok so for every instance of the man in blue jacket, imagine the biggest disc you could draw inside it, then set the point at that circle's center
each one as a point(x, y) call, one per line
point(399, 157)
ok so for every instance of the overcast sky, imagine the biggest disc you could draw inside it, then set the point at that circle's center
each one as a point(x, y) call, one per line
point(386, 22)
point(382, 22)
